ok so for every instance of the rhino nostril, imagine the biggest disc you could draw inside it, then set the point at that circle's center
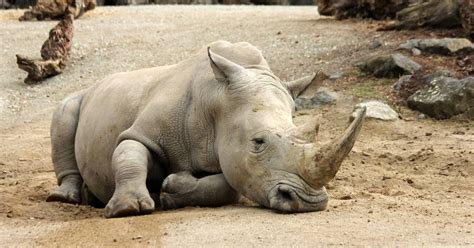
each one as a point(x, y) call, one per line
point(285, 195)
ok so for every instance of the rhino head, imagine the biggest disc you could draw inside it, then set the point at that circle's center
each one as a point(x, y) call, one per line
point(262, 153)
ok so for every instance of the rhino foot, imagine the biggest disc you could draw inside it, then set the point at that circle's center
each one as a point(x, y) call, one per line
point(130, 203)
point(183, 189)
point(175, 188)
point(167, 201)
point(68, 192)
point(179, 183)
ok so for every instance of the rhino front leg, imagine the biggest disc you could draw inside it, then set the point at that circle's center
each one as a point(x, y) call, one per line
point(183, 189)
point(130, 162)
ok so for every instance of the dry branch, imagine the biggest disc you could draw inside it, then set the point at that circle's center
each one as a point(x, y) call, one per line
point(54, 53)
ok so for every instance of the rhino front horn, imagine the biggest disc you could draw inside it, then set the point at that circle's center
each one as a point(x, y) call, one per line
point(326, 160)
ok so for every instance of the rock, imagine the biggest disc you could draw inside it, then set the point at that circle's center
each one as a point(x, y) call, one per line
point(336, 75)
point(346, 197)
point(377, 110)
point(322, 97)
point(437, 74)
point(407, 85)
point(415, 51)
point(403, 80)
point(389, 66)
point(375, 44)
point(386, 178)
point(445, 97)
point(445, 46)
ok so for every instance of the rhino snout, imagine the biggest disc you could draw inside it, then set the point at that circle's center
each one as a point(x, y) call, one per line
point(287, 198)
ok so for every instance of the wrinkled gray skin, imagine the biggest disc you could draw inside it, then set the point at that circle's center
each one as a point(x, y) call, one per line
point(195, 133)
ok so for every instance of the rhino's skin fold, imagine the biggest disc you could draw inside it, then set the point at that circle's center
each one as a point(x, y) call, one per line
point(197, 133)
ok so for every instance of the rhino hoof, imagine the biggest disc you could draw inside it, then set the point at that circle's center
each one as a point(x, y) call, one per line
point(62, 195)
point(179, 183)
point(127, 205)
point(68, 192)
point(167, 202)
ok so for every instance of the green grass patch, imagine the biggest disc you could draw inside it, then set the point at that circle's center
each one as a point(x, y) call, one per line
point(355, 73)
point(367, 88)
point(379, 81)
point(364, 91)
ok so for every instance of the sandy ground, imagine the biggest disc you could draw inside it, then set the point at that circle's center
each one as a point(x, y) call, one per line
point(407, 182)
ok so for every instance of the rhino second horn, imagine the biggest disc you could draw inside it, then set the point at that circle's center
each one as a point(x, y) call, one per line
point(327, 159)
point(308, 132)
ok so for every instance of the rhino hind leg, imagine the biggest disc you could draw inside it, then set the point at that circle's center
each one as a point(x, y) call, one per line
point(183, 189)
point(130, 161)
point(63, 132)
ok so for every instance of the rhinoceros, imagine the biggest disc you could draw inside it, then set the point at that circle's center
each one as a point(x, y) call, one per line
point(202, 132)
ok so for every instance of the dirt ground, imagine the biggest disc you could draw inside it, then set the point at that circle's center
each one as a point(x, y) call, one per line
point(406, 182)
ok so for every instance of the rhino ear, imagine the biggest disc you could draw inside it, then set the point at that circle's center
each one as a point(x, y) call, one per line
point(224, 69)
point(298, 86)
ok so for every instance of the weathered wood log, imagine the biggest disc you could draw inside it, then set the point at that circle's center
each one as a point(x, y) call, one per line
point(378, 10)
point(56, 9)
point(431, 13)
point(409, 14)
point(54, 53)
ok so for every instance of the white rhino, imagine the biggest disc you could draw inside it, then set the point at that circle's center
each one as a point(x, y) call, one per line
point(197, 133)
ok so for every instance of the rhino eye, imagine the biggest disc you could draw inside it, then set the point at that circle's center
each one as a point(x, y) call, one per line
point(258, 144)
point(258, 141)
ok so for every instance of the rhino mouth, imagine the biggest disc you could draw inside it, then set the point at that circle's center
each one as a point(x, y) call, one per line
point(287, 198)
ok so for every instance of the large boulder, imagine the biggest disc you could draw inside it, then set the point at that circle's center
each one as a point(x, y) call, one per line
point(407, 85)
point(418, 80)
point(445, 97)
point(389, 66)
point(445, 46)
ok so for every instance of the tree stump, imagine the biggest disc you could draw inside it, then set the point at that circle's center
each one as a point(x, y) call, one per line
point(54, 53)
